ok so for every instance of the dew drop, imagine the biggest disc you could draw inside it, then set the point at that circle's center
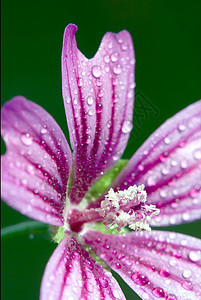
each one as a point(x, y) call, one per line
point(99, 82)
point(114, 57)
point(103, 282)
point(106, 58)
point(89, 287)
point(197, 154)
point(185, 216)
point(90, 112)
point(139, 279)
point(43, 129)
point(110, 45)
point(30, 169)
point(158, 292)
point(80, 81)
point(90, 100)
point(166, 140)
point(100, 93)
point(163, 156)
point(26, 139)
point(193, 193)
point(183, 164)
point(151, 181)
point(164, 273)
point(124, 46)
point(118, 265)
point(195, 256)
point(127, 126)
point(96, 71)
point(181, 127)
point(99, 108)
point(140, 167)
point(177, 253)
point(117, 69)
point(187, 285)
point(186, 273)
point(163, 194)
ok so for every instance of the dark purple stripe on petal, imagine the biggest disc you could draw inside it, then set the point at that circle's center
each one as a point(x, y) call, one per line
point(37, 164)
point(158, 265)
point(72, 274)
point(98, 97)
point(169, 165)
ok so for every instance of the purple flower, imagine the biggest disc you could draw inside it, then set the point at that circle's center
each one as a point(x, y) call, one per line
point(165, 174)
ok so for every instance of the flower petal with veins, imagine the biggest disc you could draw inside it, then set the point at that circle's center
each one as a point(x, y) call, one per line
point(169, 165)
point(37, 164)
point(72, 274)
point(157, 265)
point(98, 97)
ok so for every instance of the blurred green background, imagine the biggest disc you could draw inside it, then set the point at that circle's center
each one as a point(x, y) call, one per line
point(166, 36)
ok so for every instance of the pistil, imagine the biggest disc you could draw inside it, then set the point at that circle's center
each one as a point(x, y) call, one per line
point(118, 209)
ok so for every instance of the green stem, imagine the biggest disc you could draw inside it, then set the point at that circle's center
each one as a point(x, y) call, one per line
point(22, 227)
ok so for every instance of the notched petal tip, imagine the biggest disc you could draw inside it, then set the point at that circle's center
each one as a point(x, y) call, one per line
point(70, 30)
point(98, 98)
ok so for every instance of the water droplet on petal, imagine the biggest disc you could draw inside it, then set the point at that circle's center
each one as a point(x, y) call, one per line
point(118, 265)
point(30, 169)
point(124, 46)
point(127, 126)
point(44, 129)
point(99, 108)
point(164, 273)
point(167, 140)
point(106, 58)
point(96, 71)
point(114, 57)
point(117, 69)
point(151, 181)
point(90, 100)
point(110, 45)
point(181, 127)
point(139, 279)
point(163, 156)
point(183, 164)
point(193, 193)
point(100, 93)
point(26, 139)
point(103, 282)
point(89, 287)
point(197, 154)
point(158, 292)
point(195, 256)
point(186, 273)
point(90, 112)
point(187, 285)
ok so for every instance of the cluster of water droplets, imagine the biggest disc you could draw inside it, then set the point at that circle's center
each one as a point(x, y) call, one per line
point(35, 167)
point(169, 165)
point(153, 264)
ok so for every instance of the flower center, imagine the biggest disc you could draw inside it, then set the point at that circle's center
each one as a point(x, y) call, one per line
point(127, 207)
point(117, 210)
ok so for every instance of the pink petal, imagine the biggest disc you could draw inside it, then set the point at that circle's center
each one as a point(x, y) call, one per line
point(37, 163)
point(169, 165)
point(71, 274)
point(158, 265)
point(98, 97)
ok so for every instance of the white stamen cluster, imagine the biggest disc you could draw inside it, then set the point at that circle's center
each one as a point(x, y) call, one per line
point(127, 207)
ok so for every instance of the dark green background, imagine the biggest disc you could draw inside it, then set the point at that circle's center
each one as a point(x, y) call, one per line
point(166, 36)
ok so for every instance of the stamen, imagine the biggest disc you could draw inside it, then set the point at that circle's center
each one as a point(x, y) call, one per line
point(127, 207)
